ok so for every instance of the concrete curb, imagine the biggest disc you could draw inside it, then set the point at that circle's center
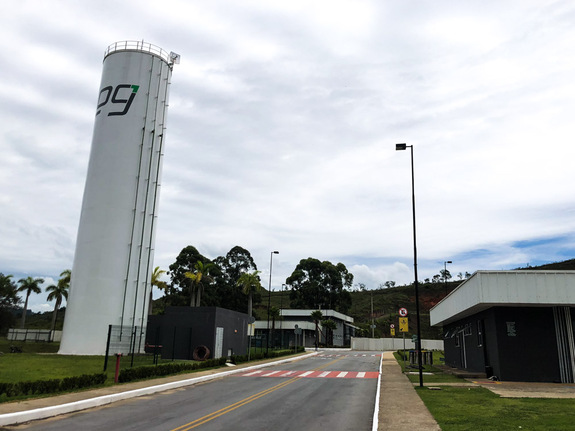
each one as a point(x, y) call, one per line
point(375, 420)
point(46, 412)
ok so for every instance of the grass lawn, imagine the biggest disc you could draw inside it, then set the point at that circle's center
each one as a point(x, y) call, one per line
point(39, 361)
point(436, 377)
point(478, 409)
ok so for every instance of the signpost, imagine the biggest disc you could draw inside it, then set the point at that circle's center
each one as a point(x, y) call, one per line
point(403, 328)
point(297, 331)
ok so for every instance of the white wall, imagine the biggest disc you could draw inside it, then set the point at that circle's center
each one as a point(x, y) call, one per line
point(382, 344)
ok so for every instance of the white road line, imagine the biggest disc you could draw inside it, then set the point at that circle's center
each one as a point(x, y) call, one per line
point(342, 374)
point(271, 374)
point(307, 373)
point(361, 375)
point(325, 373)
point(253, 373)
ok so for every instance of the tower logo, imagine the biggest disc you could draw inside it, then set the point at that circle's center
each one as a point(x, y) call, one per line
point(120, 95)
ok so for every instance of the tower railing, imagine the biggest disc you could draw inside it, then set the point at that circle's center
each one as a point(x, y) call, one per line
point(138, 45)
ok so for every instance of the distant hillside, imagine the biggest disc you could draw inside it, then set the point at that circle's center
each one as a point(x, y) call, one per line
point(388, 301)
point(566, 265)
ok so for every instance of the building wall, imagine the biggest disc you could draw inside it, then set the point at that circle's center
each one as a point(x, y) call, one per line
point(383, 344)
point(182, 329)
point(511, 345)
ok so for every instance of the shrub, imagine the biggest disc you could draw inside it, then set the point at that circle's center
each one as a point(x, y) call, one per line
point(40, 387)
point(146, 372)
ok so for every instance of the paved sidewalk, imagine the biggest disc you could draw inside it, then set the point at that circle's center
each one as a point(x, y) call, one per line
point(400, 408)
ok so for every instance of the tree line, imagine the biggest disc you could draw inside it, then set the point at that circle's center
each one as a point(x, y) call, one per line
point(233, 282)
point(9, 299)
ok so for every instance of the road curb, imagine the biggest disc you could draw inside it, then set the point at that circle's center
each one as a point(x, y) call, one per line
point(46, 412)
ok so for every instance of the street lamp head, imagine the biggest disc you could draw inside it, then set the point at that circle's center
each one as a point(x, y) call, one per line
point(449, 261)
point(275, 252)
point(399, 147)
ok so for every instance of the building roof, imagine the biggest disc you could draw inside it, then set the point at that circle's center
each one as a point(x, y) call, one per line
point(486, 289)
point(302, 318)
point(307, 314)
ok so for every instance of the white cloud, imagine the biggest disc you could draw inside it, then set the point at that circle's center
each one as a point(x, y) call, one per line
point(282, 125)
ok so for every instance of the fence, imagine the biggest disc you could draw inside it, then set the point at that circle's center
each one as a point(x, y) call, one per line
point(381, 344)
point(36, 335)
point(124, 341)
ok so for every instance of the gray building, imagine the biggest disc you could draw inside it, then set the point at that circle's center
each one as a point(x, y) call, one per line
point(181, 331)
point(284, 329)
point(515, 325)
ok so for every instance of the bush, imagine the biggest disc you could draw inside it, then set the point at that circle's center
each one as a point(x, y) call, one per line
point(146, 372)
point(238, 359)
point(41, 387)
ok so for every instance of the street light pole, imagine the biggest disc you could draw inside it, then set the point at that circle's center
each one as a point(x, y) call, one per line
point(445, 274)
point(400, 147)
point(281, 316)
point(270, 297)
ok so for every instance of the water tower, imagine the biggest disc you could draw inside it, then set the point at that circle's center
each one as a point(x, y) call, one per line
point(115, 246)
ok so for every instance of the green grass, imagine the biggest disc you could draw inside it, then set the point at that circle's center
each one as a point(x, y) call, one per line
point(436, 377)
point(479, 409)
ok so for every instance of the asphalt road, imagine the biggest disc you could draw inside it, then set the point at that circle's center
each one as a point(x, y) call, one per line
point(331, 391)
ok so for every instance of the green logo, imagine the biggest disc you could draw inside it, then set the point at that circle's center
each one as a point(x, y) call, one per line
point(119, 95)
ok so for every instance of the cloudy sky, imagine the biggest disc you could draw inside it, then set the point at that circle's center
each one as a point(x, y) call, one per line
point(282, 127)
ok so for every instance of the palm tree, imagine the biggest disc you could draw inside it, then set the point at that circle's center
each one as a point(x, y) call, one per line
point(156, 274)
point(250, 284)
point(58, 292)
point(198, 277)
point(275, 315)
point(329, 326)
point(29, 285)
point(316, 315)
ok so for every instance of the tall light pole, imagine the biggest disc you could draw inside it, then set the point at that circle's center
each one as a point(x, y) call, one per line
point(445, 274)
point(270, 297)
point(281, 315)
point(401, 147)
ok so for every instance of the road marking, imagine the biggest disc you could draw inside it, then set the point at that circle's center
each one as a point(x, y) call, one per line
point(253, 373)
point(241, 403)
point(321, 375)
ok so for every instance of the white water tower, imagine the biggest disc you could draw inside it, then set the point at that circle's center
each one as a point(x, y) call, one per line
point(115, 246)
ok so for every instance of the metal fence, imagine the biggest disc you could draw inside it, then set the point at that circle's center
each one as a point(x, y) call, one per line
point(36, 335)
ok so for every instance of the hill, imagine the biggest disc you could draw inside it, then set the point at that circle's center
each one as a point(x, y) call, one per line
point(388, 301)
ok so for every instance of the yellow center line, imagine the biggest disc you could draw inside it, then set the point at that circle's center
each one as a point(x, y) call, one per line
point(243, 402)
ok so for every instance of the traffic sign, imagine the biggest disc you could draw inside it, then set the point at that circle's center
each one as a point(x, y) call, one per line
point(403, 324)
point(392, 326)
point(403, 312)
point(393, 332)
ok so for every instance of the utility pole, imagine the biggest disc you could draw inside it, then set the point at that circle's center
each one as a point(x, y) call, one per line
point(372, 322)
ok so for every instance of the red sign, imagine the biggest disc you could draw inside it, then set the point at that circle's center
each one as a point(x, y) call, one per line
point(403, 312)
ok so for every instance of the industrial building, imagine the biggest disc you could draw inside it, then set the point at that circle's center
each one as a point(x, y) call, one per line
point(298, 323)
point(512, 325)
